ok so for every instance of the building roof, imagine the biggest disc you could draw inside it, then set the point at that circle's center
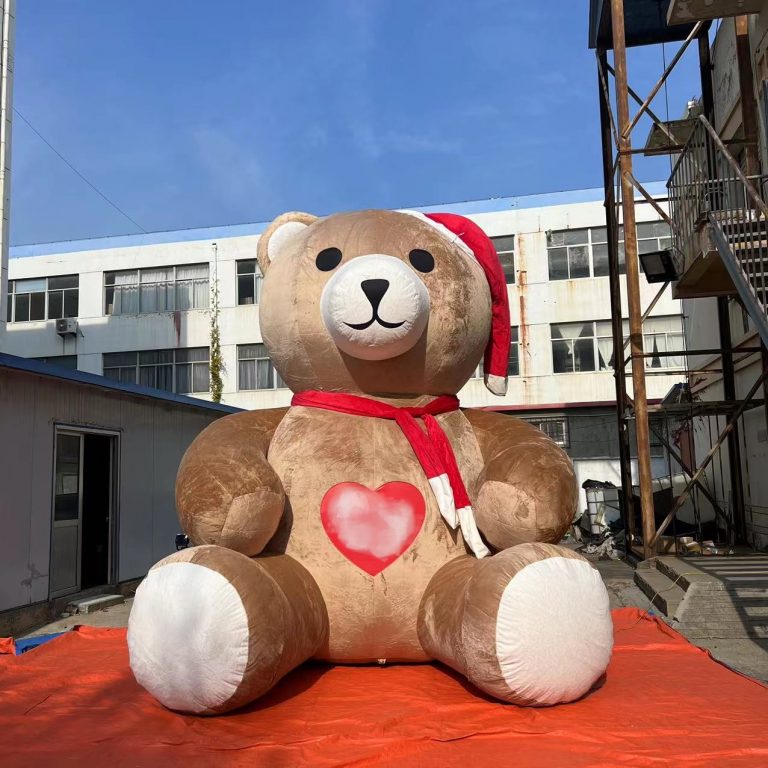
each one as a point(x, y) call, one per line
point(49, 370)
point(466, 208)
point(645, 23)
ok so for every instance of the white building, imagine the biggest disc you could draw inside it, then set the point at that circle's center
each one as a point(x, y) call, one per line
point(719, 314)
point(142, 310)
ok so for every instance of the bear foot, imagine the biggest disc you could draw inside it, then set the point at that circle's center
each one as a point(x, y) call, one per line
point(212, 629)
point(530, 625)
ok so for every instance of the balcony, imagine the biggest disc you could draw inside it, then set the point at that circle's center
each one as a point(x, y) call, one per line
point(720, 225)
point(710, 200)
point(687, 11)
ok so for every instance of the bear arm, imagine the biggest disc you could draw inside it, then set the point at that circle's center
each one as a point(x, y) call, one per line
point(226, 491)
point(527, 491)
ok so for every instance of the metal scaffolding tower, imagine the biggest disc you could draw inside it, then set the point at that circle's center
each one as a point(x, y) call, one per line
point(714, 208)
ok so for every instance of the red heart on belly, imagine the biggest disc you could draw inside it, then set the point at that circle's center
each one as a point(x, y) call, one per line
point(372, 528)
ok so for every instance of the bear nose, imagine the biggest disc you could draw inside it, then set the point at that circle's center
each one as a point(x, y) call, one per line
point(375, 290)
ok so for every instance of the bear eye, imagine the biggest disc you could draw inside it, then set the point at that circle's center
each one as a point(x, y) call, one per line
point(422, 260)
point(328, 259)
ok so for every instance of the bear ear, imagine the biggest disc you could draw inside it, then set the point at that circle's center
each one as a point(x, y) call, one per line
point(278, 237)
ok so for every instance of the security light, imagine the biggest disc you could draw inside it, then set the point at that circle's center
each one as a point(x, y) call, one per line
point(658, 266)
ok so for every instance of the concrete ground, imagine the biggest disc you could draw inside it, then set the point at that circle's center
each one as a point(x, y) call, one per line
point(749, 657)
point(114, 616)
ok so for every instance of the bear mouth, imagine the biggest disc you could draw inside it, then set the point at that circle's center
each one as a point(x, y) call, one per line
point(374, 319)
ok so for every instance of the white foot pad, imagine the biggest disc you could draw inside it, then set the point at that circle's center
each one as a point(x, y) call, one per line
point(188, 637)
point(554, 634)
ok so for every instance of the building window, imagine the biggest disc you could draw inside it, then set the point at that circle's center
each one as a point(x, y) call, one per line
point(505, 248)
point(554, 427)
point(576, 253)
point(578, 347)
point(249, 279)
point(43, 298)
point(174, 370)
point(63, 361)
point(599, 244)
point(653, 236)
point(158, 289)
point(573, 347)
point(664, 335)
point(568, 254)
point(588, 346)
point(255, 369)
point(513, 367)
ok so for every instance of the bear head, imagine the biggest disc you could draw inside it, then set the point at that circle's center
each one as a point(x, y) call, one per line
point(373, 302)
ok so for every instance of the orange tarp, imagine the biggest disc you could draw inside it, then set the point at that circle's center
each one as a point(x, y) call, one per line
point(73, 701)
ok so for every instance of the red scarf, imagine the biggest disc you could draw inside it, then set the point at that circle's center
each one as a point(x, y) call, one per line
point(431, 448)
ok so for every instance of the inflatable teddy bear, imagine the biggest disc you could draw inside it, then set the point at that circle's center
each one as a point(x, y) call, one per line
point(374, 521)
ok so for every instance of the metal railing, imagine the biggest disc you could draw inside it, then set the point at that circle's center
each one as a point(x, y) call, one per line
point(707, 187)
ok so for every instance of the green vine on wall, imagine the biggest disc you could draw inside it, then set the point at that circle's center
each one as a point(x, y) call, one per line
point(216, 365)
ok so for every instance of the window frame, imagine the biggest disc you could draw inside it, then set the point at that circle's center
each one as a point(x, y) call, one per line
point(649, 334)
point(593, 337)
point(46, 293)
point(596, 336)
point(537, 421)
point(138, 285)
point(258, 279)
point(175, 363)
point(277, 382)
point(511, 251)
point(656, 242)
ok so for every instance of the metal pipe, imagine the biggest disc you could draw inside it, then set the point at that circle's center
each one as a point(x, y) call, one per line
point(603, 84)
point(633, 280)
point(7, 9)
point(612, 237)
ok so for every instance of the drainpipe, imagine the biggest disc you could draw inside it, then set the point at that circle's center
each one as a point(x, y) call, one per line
point(7, 12)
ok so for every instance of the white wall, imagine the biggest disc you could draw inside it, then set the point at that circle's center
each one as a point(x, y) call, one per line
point(153, 435)
point(535, 303)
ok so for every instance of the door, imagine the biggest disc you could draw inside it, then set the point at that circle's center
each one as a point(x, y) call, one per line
point(96, 510)
point(67, 513)
point(83, 504)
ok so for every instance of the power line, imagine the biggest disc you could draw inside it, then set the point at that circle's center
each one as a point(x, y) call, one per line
point(72, 167)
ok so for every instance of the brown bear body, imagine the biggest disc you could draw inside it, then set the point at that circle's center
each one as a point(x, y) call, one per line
point(318, 533)
point(370, 617)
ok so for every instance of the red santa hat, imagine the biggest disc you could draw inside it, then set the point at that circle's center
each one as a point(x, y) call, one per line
point(473, 240)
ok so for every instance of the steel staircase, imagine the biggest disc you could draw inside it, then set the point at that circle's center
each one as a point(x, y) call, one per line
point(720, 219)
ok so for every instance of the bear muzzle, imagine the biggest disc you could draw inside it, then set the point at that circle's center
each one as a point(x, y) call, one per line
point(375, 307)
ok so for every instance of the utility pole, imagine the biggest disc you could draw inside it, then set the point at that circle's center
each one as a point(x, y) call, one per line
point(633, 279)
point(7, 16)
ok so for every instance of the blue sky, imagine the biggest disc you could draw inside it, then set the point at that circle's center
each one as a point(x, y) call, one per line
point(190, 114)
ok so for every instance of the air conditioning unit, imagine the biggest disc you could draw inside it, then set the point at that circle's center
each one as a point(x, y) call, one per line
point(66, 326)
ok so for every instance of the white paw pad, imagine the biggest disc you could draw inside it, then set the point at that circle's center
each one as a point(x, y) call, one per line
point(554, 634)
point(188, 637)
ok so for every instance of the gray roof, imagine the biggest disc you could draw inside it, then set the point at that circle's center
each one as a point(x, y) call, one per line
point(50, 370)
